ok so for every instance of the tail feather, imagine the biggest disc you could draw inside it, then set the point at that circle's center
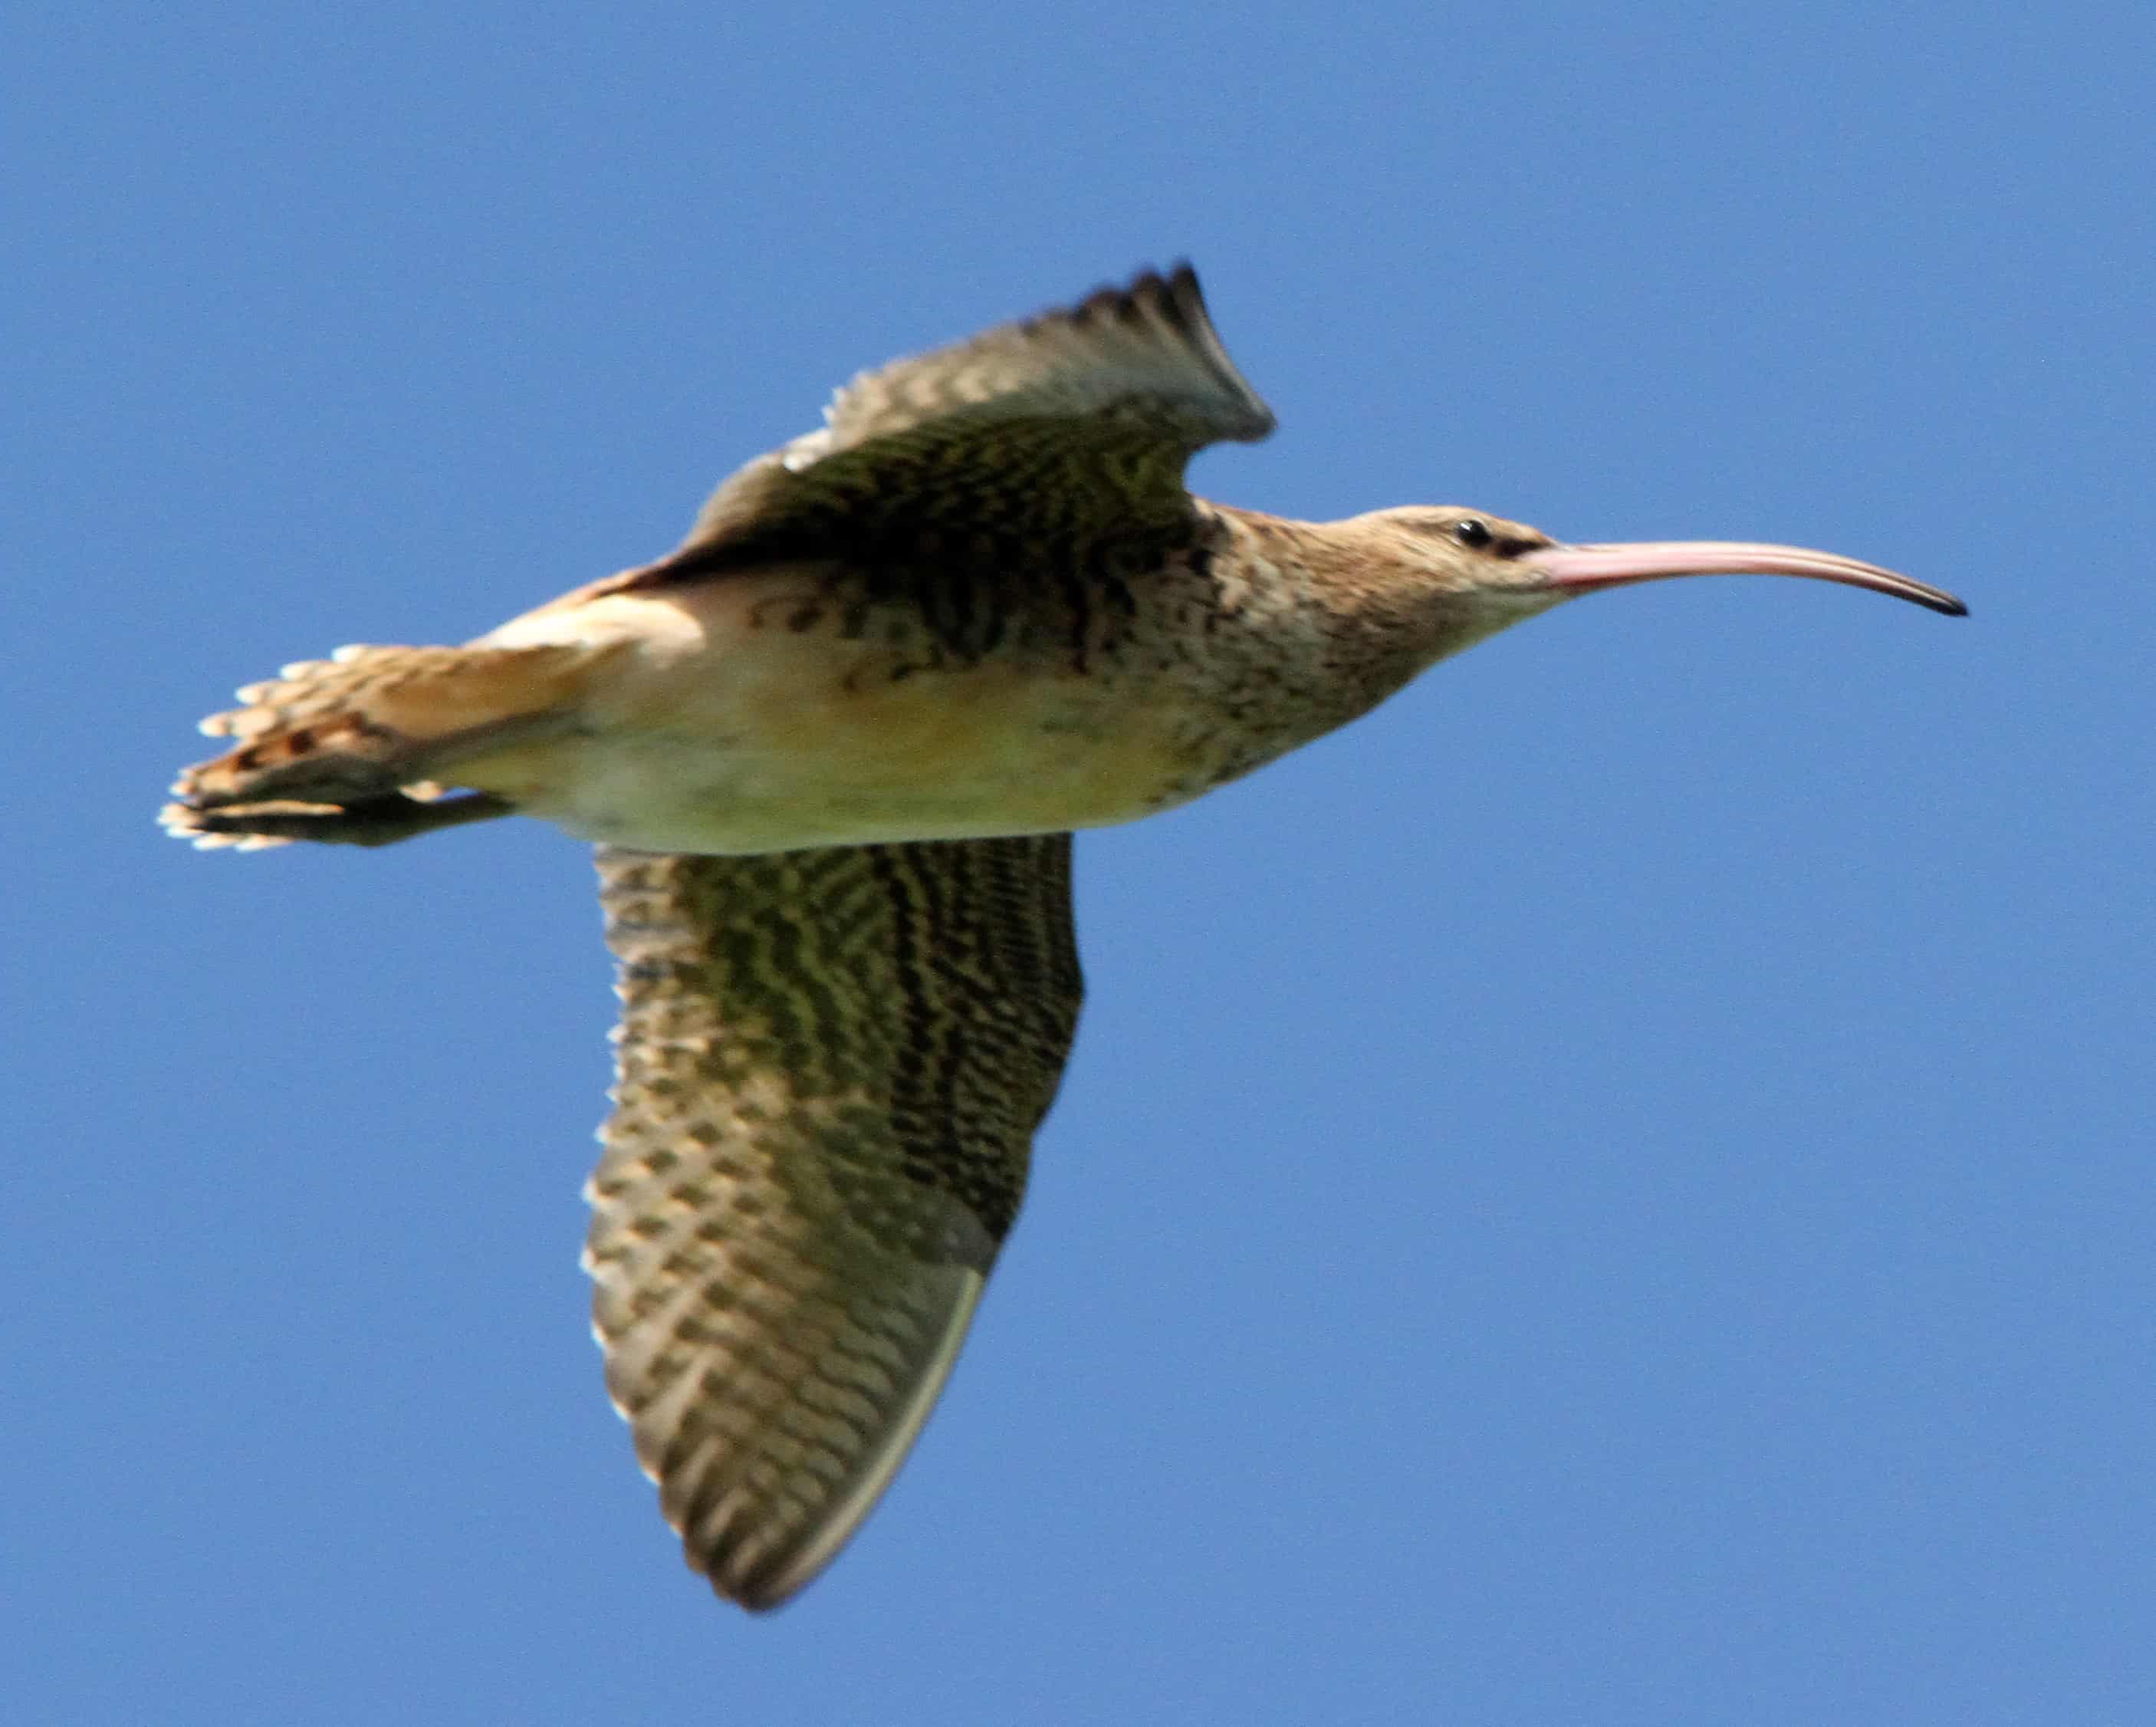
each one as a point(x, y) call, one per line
point(369, 722)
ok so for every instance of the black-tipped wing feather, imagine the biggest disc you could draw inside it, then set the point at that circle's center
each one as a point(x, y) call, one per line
point(830, 1066)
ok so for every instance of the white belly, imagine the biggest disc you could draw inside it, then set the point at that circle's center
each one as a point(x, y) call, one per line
point(658, 793)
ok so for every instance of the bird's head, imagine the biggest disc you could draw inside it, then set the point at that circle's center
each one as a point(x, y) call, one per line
point(1478, 574)
point(1474, 553)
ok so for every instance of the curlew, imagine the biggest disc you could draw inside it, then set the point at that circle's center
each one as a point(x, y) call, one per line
point(833, 749)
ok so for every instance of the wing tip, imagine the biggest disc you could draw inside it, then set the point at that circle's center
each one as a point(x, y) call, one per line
point(1174, 301)
point(767, 1577)
point(759, 1547)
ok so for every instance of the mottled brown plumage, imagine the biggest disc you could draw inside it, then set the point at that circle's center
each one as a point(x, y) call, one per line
point(846, 728)
point(831, 1066)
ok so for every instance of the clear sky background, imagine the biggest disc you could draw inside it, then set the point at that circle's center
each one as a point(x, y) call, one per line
point(1618, 1190)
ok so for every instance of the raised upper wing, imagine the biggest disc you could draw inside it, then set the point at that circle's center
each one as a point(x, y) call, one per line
point(1071, 423)
point(830, 1066)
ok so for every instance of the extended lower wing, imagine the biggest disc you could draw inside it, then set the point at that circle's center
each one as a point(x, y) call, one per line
point(831, 1066)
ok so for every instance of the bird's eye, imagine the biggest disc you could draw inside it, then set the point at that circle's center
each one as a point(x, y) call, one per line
point(1469, 531)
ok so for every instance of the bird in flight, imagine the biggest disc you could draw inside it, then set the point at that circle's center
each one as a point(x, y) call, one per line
point(832, 750)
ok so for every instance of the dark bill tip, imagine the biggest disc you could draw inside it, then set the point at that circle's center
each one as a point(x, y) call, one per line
point(1578, 569)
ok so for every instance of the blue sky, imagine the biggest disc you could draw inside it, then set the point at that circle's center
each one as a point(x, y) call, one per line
point(1617, 1189)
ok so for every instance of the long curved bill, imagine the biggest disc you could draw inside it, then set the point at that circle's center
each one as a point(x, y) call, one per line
point(1579, 570)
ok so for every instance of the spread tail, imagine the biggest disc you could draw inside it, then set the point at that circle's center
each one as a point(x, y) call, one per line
point(344, 748)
